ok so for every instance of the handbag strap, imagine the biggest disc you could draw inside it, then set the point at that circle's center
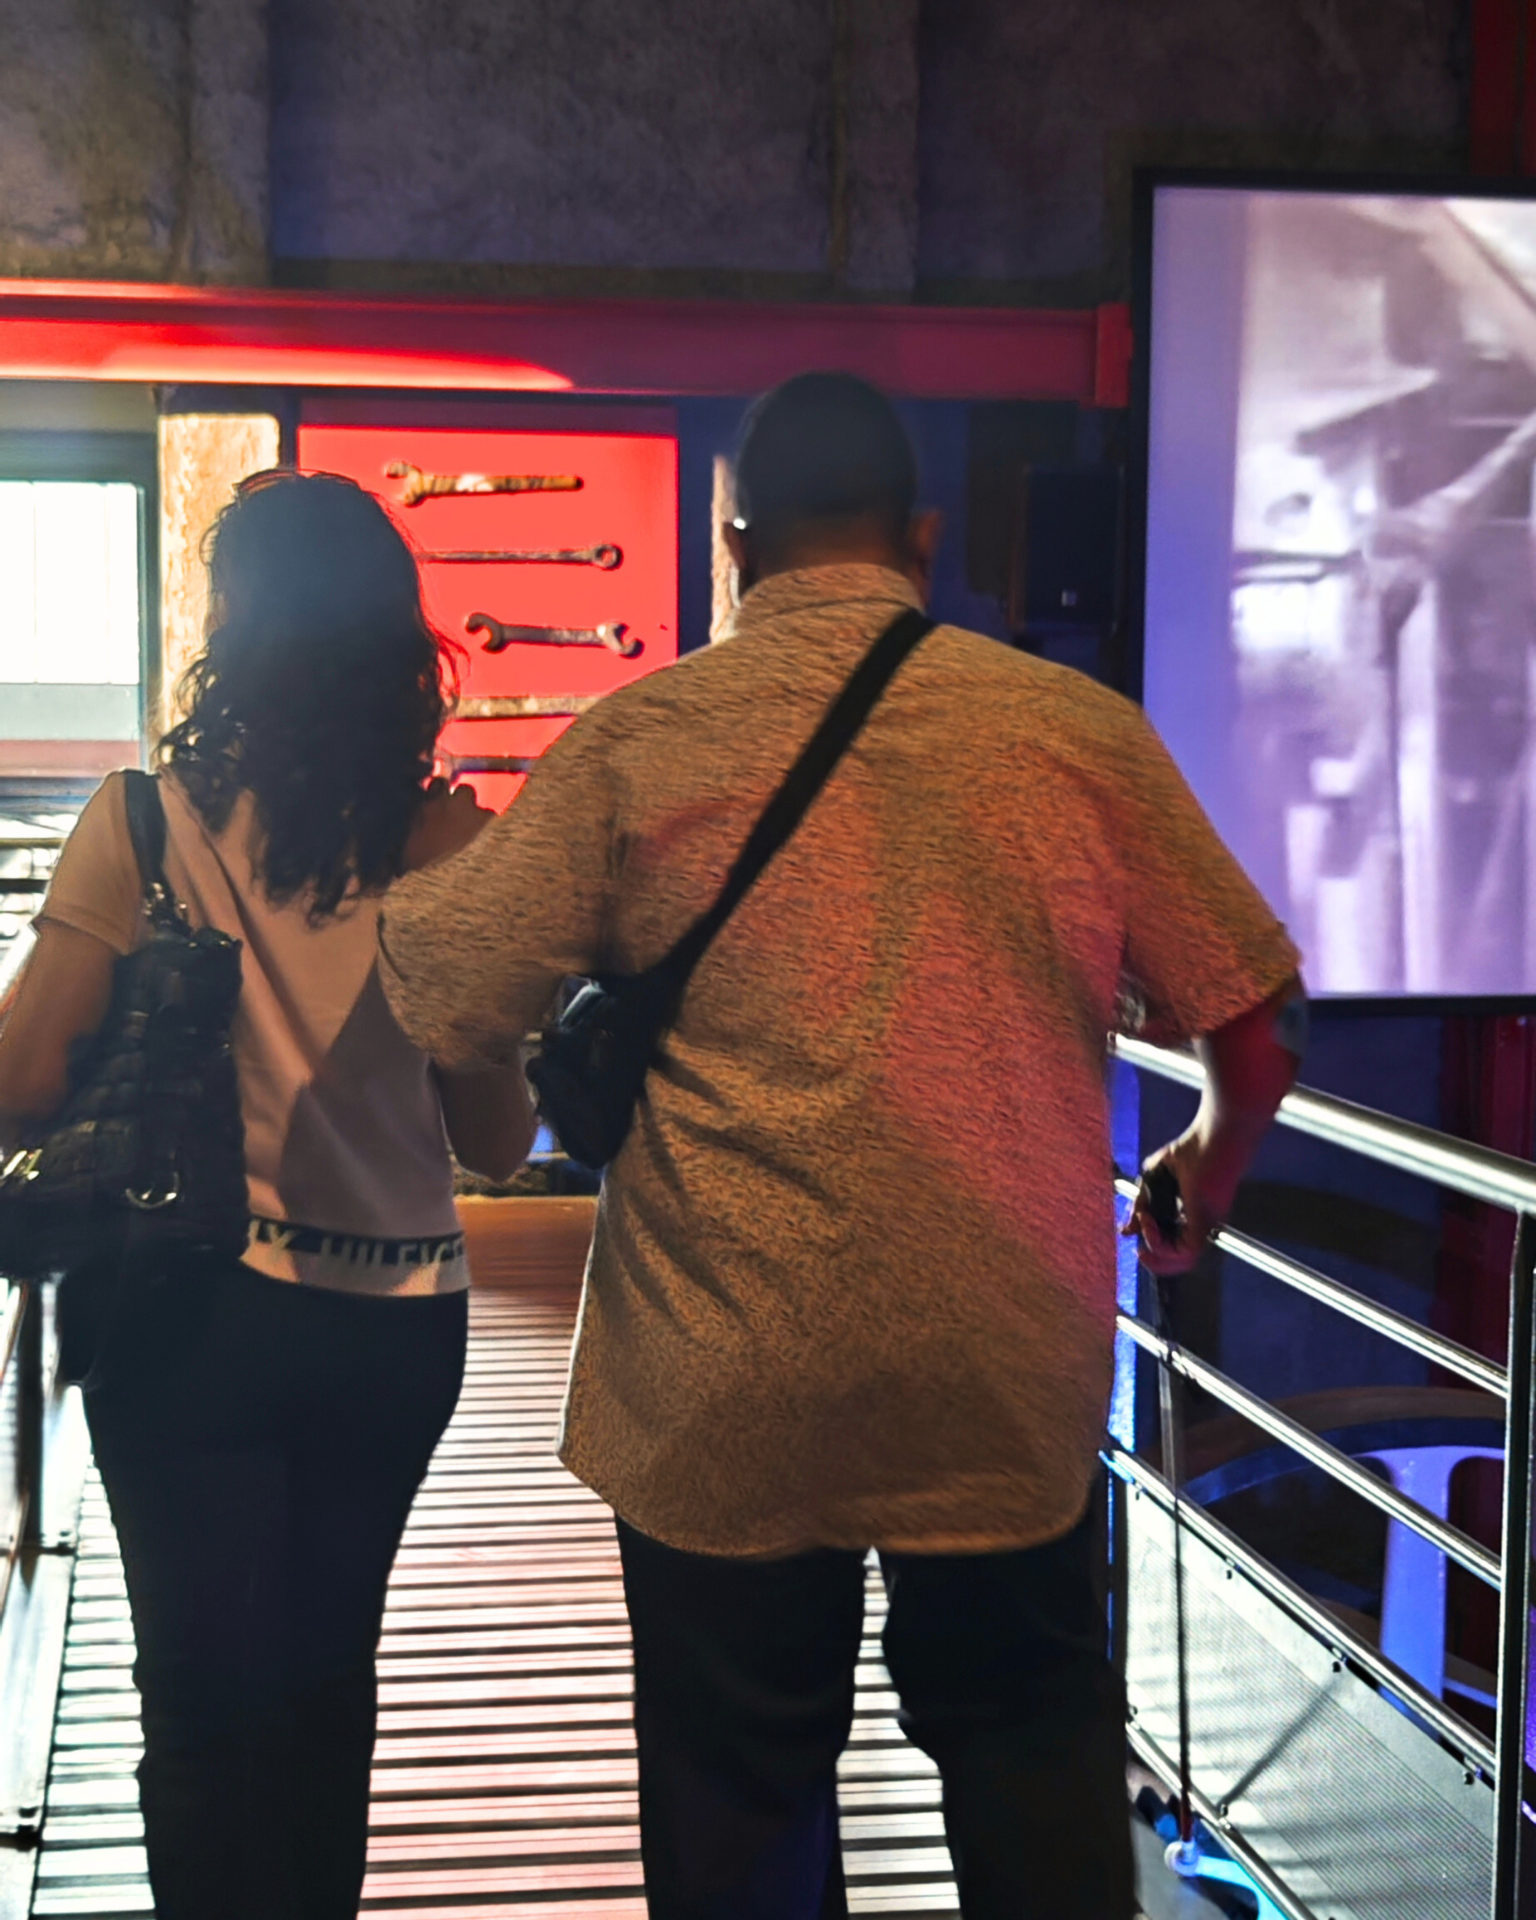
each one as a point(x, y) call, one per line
point(146, 829)
point(818, 757)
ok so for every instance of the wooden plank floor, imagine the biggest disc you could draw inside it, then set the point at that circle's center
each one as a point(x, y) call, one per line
point(505, 1772)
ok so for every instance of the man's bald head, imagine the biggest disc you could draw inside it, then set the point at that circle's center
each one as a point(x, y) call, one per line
point(823, 463)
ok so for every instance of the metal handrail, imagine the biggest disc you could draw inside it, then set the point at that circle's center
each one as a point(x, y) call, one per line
point(1497, 1179)
point(1478, 1172)
point(12, 1306)
point(1515, 1593)
point(1334, 1633)
point(18, 1368)
point(1359, 1307)
point(1338, 1465)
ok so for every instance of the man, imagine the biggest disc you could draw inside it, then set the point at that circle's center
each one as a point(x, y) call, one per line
point(852, 1284)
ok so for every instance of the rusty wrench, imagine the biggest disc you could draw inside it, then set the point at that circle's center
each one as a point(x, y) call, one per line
point(607, 556)
point(457, 763)
point(525, 706)
point(612, 634)
point(421, 486)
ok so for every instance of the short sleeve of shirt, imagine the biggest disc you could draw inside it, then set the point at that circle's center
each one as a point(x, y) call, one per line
point(1201, 945)
point(95, 886)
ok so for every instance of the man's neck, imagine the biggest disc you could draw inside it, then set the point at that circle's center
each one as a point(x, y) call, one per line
point(812, 554)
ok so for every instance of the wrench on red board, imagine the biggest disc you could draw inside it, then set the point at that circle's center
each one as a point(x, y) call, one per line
point(421, 486)
point(457, 763)
point(526, 706)
point(612, 634)
point(606, 556)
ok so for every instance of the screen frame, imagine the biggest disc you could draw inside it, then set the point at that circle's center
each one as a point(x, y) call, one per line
point(1145, 184)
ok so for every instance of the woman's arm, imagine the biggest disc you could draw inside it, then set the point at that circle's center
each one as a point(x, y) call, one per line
point(61, 997)
point(489, 1118)
point(91, 915)
point(488, 1114)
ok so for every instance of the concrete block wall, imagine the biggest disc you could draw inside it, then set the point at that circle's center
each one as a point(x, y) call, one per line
point(942, 149)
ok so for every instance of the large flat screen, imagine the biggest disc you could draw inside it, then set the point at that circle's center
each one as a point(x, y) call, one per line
point(1339, 599)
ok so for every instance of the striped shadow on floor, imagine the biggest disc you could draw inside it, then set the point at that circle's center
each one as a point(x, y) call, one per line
point(505, 1771)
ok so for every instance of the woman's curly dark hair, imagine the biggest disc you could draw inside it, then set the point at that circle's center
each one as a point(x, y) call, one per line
point(321, 687)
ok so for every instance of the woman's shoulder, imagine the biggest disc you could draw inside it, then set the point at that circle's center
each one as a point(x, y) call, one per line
point(105, 814)
point(95, 886)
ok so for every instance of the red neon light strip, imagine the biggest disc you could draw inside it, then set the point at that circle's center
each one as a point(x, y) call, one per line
point(88, 330)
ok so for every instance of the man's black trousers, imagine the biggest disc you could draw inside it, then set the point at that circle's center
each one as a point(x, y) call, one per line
point(260, 1444)
point(744, 1679)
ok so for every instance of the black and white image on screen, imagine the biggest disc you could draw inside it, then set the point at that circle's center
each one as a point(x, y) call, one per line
point(1344, 424)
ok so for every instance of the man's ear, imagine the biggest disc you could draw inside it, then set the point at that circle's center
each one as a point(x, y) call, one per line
point(738, 544)
point(924, 532)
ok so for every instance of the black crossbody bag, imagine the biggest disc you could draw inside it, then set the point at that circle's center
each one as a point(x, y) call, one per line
point(145, 1161)
point(591, 1065)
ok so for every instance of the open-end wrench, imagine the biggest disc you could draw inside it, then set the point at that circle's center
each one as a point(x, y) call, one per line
point(421, 486)
point(612, 634)
point(456, 763)
point(607, 556)
point(526, 706)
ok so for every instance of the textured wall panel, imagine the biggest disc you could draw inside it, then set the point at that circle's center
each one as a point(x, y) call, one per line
point(604, 135)
point(1033, 116)
point(133, 138)
point(973, 141)
point(91, 135)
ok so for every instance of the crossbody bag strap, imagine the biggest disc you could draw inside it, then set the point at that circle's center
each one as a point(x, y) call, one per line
point(838, 729)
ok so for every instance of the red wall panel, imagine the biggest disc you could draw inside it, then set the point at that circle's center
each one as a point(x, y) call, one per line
point(627, 499)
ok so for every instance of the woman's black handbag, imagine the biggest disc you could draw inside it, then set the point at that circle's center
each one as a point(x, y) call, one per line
point(145, 1161)
point(591, 1065)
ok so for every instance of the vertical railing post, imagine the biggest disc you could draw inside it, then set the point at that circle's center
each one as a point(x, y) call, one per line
point(29, 1414)
point(1515, 1594)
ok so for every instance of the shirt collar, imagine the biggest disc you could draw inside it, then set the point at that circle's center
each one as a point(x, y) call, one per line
point(819, 589)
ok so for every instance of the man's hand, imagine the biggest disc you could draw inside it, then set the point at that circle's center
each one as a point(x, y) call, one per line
point(1250, 1067)
point(450, 818)
point(1203, 1207)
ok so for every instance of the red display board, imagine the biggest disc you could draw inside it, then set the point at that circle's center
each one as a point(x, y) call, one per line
point(627, 499)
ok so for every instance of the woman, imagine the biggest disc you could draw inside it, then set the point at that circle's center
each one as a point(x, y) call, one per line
point(261, 1427)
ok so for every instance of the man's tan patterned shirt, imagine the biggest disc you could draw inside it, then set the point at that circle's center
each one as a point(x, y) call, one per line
point(853, 1281)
